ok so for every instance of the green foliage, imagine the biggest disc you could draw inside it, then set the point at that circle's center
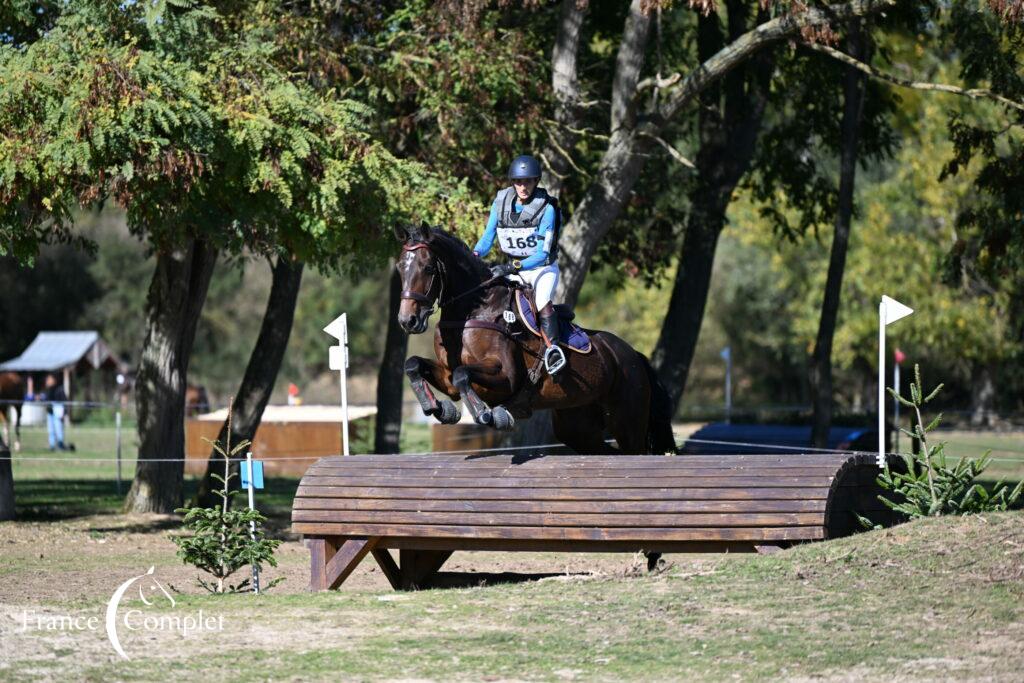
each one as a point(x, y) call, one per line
point(930, 486)
point(225, 540)
point(988, 252)
point(189, 119)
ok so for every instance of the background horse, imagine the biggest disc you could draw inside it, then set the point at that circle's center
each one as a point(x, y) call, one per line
point(495, 366)
point(196, 400)
point(12, 394)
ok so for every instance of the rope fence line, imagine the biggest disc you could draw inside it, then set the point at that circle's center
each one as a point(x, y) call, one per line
point(804, 450)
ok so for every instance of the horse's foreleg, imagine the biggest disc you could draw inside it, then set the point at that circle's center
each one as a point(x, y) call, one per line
point(489, 376)
point(420, 371)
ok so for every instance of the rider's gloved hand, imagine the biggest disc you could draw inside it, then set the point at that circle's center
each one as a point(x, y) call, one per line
point(502, 269)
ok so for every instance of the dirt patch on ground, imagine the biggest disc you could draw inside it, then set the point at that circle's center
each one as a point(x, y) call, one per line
point(85, 559)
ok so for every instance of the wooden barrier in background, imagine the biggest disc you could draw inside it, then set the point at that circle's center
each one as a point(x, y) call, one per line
point(289, 438)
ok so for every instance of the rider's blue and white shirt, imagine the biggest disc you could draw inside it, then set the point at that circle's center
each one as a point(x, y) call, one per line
point(531, 244)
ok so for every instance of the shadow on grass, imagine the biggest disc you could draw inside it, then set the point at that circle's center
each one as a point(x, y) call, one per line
point(54, 500)
point(473, 579)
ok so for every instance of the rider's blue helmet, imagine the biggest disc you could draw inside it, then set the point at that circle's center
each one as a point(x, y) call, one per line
point(523, 168)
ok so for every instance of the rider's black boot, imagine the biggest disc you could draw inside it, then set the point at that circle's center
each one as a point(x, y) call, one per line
point(554, 357)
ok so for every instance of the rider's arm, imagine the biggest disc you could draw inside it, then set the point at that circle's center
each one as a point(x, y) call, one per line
point(546, 230)
point(487, 239)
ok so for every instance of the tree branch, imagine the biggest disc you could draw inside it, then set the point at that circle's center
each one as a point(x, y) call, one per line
point(973, 93)
point(672, 151)
point(739, 50)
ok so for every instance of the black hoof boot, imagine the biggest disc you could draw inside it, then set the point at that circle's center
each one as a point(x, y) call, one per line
point(484, 417)
point(503, 419)
point(448, 413)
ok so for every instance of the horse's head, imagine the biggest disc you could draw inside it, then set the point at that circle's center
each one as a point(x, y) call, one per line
point(422, 274)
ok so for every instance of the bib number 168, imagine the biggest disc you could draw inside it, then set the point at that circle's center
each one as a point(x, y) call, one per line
point(522, 242)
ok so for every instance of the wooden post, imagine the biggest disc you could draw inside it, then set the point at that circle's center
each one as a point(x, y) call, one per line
point(419, 566)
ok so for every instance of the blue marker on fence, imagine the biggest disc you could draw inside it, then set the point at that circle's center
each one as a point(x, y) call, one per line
point(257, 475)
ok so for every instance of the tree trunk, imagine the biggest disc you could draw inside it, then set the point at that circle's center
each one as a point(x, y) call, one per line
point(6, 484)
point(565, 86)
point(176, 296)
point(630, 139)
point(729, 127)
point(391, 376)
point(983, 395)
point(620, 165)
point(821, 359)
point(260, 373)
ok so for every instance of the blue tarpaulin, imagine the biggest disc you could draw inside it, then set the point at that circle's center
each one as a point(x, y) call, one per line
point(758, 438)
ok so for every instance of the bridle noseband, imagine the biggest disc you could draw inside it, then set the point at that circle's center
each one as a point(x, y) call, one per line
point(425, 298)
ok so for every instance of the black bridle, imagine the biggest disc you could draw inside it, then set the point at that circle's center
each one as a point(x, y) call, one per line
point(425, 298)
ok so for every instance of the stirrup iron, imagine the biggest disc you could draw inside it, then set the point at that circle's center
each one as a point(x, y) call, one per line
point(554, 359)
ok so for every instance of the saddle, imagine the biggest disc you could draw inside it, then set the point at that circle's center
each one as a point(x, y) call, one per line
point(570, 335)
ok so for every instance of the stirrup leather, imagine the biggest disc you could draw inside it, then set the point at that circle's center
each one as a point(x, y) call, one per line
point(554, 359)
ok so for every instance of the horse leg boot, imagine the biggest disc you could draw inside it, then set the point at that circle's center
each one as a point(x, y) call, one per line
point(554, 357)
point(445, 411)
point(499, 418)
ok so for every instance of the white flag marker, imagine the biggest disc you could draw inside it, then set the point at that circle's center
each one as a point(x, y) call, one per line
point(889, 311)
point(337, 359)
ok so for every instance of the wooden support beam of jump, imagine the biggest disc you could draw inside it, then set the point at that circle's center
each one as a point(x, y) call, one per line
point(419, 566)
point(332, 559)
point(388, 567)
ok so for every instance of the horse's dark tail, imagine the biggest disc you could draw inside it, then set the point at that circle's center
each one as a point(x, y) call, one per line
point(659, 422)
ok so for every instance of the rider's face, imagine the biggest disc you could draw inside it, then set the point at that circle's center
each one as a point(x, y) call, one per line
point(524, 188)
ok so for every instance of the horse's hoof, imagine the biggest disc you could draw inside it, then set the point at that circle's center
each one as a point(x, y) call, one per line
point(485, 417)
point(503, 419)
point(449, 413)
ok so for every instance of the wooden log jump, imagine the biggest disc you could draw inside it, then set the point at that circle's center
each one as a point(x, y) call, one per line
point(428, 506)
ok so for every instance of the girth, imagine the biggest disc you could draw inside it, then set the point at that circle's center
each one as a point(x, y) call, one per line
point(473, 323)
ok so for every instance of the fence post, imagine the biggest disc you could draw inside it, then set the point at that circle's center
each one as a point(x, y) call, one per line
point(117, 438)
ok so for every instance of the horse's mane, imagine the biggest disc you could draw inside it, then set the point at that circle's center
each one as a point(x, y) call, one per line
point(457, 255)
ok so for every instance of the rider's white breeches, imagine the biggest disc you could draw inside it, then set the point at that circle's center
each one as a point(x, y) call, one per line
point(544, 280)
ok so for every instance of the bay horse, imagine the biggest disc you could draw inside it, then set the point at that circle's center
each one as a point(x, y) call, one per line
point(495, 365)
point(12, 394)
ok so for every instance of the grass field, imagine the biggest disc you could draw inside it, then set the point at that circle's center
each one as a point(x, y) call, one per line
point(934, 599)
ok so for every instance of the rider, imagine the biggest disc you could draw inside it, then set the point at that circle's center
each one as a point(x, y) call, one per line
point(524, 220)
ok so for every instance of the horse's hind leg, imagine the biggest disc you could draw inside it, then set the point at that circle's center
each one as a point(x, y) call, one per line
point(582, 429)
point(420, 371)
point(628, 421)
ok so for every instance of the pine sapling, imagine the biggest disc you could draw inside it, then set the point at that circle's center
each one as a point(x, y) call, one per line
point(222, 541)
point(930, 486)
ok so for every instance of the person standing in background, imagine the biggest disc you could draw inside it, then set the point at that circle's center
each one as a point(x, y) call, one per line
point(55, 397)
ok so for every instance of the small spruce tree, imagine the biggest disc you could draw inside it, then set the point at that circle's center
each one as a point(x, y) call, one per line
point(222, 540)
point(930, 486)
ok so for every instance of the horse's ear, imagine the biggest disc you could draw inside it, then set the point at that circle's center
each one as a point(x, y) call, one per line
point(423, 232)
point(401, 233)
